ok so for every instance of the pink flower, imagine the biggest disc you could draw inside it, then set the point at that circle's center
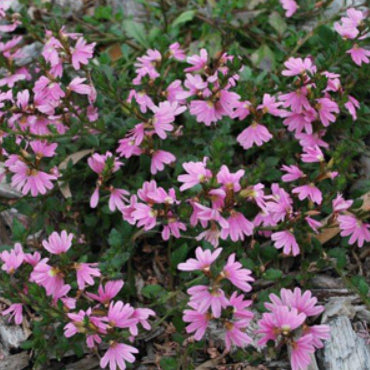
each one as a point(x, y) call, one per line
point(297, 100)
point(340, 204)
point(357, 229)
point(127, 148)
point(207, 298)
point(351, 105)
point(120, 315)
point(159, 159)
point(313, 224)
point(230, 181)
point(305, 302)
point(197, 174)
point(145, 215)
point(282, 320)
point(117, 354)
point(269, 105)
point(85, 273)
point(203, 260)
point(302, 349)
point(176, 52)
point(290, 6)
point(116, 198)
point(235, 334)
point(318, 333)
point(237, 275)
point(99, 162)
point(254, 134)
point(238, 227)
point(106, 293)
point(198, 321)
point(242, 110)
point(239, 307)
point(205, 111)
point(298, 66)
point(43, 149)
point(13, 259)
point(58, 243)
point(14, 310)
point(94, 200)
point(309, 191)
point(173, 227)
point(280, 205)
point(312, 154)
point(142, 315)
point(79, 87)
point(326, 108)
point(359, 55)
point(198, 62)
point(292, 173)
point(286, 240)
point(348, 26)
point(81, 53)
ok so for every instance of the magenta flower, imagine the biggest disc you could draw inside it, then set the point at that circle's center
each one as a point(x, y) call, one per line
point(86, 273)
point(197, 174)
point(326, 107)
point(58, 243)
point(309, 191)
point(238, 227)
point(98, 162)
point(198, 321)
point(230, 180)
point(237, 275)
point(235, 334)
point(302, 349)
point(116, 198)
point(239, 307)
point(117, 354)
point(296, 100)
point(176, 52)
point(206, 297)
point(254, 134)
point(173, 228)
point(205, 111)
point(269, 105)
point(141, 315)
point(79, 87)
point(13, 259)
point(281, 321)
point(43, 149)
point(292, 173)
point(352, 105)
point(312, 154)
point(313, 224)
point(298, 66)
point(286, 240)
point(81, 53)
point(348, 26)
point(290, 6)
point(120, 315)
point(106, 293)
point(242, 110)
point(359, 55)
point(319, 333)
point(15, 311)
point(203, 260)
point(77, 324)
point(340, 204)
point(198, 62)
point(357, 230)
point(159, 159)
point(127, 148)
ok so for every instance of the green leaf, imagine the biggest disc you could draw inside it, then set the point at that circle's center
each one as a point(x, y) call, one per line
point(264, 58)
point(136, 31)
point(360, 283)
point(277, 22)
point(18, 229)
point(168, 363)
point(272, 274)
point(179, 255)
point(152, 291)
point(115, 239)
point(183, 18)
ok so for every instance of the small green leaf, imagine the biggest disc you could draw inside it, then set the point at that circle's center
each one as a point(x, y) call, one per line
point(152, 291)
point(277, 22)
point(272, 274)
point(136, 31)
point(168, 363)
point(183, 18)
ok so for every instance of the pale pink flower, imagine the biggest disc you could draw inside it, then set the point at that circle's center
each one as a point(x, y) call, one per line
point(176, 52)
point(198, 62)
point(120, 315)
point(254, 134)
point(58, 243)
point(312, 154)
point(116, 198)
point(296, 100)
point(239, 307)
point(279, 204)
point(290, 6)
point(302, 349)
point(117, 355)
point(313, 224)
point(15, 311)
point(98, 162)
point(292, 173)
point(81, 53)
point(207, 298)
point(94, 200)
point(309, 191)
point(197, 174)
point(159, 159)
point(312, 140)
point(79, 87)
point(348, 26)
point(269, 105)
point(43, 148)
point(282, 320)
point(357, 230)
point(142, 315)
point(198, 321)
point(326, 108)
point(286, 240)
point(173, 228)
point(242, 110)
point(318, 333)
point(13, 259)
point(86, 273)
point(145, 215)
point(127, 147)
point(106, 293)
point(352, 105)
point(32, 258)
point(299, 122)
point(238, 227)
point(235, 334)
point(298, 66)
point(340, 204)
point(203, 260)
point(237, 275)
point(229, 180)
point(205, 111)
point(359, 55)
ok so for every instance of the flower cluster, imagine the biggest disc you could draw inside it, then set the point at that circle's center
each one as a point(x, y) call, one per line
point(287, 323)
point(352, 27)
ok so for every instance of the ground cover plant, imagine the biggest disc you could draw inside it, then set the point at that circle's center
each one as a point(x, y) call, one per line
point(179, 177)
